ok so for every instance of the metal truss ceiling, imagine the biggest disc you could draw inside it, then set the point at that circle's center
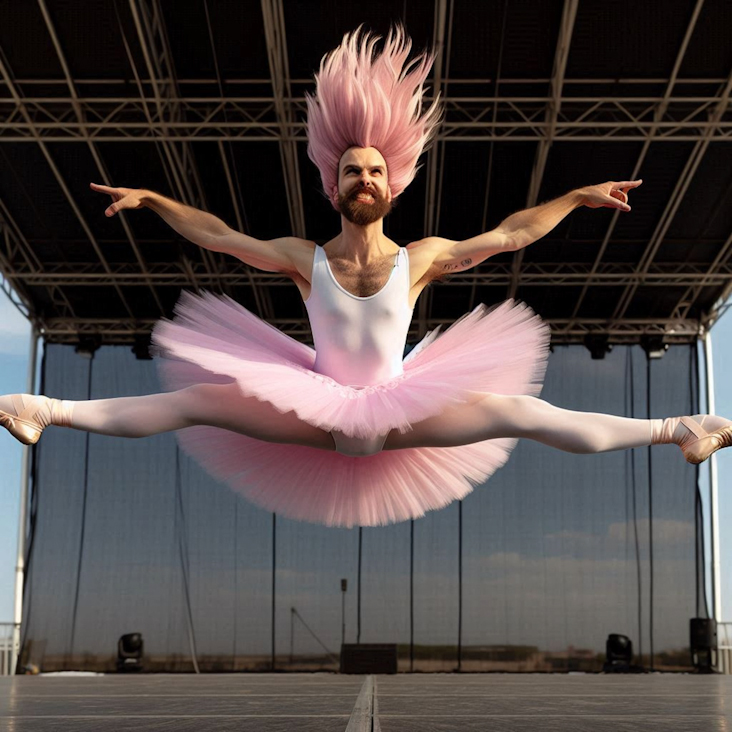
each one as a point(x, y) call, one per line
point(510, 138)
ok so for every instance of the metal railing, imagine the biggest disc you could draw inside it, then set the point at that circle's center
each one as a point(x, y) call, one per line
point(8, 648)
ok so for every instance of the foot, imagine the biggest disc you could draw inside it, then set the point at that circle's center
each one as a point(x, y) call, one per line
point(698, 437)
point(25, 416)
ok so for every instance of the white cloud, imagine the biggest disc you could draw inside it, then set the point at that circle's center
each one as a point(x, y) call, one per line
point(667, 533)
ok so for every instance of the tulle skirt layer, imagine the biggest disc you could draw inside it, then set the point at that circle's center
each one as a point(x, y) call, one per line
point(213, 339)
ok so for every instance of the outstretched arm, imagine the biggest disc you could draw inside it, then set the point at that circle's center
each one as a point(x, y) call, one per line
point(208, 231)
point(524, 227)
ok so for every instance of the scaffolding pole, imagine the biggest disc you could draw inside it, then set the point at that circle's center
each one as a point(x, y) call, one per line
point(713, 489)
point(23, 514)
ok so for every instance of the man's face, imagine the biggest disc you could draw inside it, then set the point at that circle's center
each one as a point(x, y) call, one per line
point(363, 193)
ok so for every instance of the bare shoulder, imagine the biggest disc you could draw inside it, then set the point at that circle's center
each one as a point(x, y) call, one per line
point(301, 253)
point(424, 257)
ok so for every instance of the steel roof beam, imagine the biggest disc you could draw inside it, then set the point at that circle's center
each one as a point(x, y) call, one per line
point(436, 154)
point(16, 245)
point(658, 115)
point(91, 145)
point(261, 297)
point(563, 330)
point(584, 119)
point(551, 117)
point(5, 73)
point(560, 274)
point(691, 81)
point(274, 30)
point(675, 199)
point(179, 165)
point(687, 300)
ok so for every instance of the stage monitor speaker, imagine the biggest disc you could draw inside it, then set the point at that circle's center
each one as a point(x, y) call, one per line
point(703, 643)
point(369, 658)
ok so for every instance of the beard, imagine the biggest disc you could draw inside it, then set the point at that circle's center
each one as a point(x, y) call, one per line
point(363, 214)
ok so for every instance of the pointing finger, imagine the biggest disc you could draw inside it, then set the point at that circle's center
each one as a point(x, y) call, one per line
point(628, 184)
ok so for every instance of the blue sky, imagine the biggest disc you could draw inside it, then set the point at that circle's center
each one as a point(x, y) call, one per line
point(14, 347)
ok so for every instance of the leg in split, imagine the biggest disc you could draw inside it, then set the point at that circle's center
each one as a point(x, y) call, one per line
point(494, 416)
point(215, 405)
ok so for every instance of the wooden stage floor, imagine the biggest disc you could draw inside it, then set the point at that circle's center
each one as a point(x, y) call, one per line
point(330, 703)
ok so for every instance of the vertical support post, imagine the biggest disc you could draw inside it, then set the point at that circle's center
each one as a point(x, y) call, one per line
point(713, 488)
point(460, 588)
point(358, 591)
point(274, 586)
point(292, 635)
point(23, 514)
point(651, 573)
point(411, 596)
point(344, 589)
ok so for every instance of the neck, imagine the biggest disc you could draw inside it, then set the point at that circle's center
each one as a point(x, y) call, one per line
point(363, 243)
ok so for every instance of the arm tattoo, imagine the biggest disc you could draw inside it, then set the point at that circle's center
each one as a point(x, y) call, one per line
point(453, 267)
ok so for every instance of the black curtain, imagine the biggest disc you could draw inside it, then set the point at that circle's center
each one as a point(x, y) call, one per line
point(531, 572)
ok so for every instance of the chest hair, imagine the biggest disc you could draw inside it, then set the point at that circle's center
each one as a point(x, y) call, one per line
point(362, 281)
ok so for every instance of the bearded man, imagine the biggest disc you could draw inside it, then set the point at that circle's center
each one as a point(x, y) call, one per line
point(349, 433)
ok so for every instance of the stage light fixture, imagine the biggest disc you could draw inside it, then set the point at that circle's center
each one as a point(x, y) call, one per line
point(130, 649)
point(703, 644)
point(88, 345)
point(598, 345)
point(619, 655)
point(141, 347)
point(653, 345)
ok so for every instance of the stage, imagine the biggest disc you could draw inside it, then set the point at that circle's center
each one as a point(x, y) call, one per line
point(330, 703)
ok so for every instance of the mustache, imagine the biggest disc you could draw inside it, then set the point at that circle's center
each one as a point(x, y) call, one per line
point(354, 193)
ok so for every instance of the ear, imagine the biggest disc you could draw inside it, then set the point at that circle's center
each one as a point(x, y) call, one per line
point(334, 197)
point(389, 196)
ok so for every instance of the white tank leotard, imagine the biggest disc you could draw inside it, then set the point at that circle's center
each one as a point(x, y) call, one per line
point(359, 341)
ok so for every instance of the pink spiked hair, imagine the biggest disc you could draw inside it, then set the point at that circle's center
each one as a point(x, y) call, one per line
point(368, 99)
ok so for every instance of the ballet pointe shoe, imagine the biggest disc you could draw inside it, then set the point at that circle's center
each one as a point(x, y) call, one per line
point(706, 443)
point(32, 415)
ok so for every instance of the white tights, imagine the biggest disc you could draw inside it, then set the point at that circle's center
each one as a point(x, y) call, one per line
point(489, 417)
point(204, 404)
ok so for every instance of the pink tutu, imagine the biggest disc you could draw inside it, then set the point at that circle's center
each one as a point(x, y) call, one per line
point(213, 339)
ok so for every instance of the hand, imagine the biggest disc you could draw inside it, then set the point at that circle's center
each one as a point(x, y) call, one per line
point(122, 197)
point(609, 195)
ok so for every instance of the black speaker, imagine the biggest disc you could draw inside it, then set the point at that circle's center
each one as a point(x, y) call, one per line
point(703, 643)
point(369, 658)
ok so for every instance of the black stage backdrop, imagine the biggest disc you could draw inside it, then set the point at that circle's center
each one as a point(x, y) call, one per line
point(530, 573)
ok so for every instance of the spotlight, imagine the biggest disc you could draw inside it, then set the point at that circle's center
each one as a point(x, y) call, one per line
point(88, 345)
point(703, 643)
point(653, 345)
point(598, 345)
point(619, 655)
point(129, 652)
point(141, 347)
